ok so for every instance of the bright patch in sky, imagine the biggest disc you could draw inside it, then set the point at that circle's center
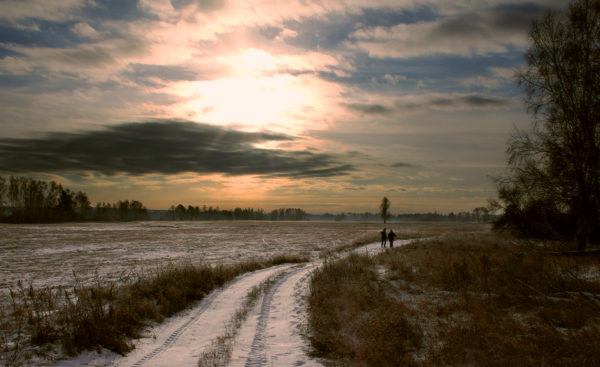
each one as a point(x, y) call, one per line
point(252, 101)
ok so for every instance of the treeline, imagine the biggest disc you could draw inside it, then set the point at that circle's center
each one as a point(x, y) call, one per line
point(180, 212)
point(481, 214)
point(25, 200)
point(122, 211)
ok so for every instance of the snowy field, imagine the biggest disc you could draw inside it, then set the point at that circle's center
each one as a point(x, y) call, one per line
point(60, 254)
point(272, 334)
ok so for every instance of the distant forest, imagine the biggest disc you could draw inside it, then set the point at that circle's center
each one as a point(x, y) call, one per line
point(481, 214)
point(25, 200)
point(180, 212)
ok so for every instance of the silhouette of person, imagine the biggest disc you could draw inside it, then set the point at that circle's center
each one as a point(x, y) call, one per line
point(383, 238)
point(391, 237)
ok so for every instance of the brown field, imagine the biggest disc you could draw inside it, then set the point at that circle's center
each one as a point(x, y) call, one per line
point(464, 299)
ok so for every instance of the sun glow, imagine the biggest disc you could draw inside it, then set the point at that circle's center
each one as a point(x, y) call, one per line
point(253, 62)
point(251, 101)
point(259, 93)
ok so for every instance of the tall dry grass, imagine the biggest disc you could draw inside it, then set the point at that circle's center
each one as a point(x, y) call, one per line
point(353, 321)
point(108, 314)
point(477, 299)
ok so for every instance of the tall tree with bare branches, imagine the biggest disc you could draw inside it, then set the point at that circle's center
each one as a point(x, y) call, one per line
point(554, 181)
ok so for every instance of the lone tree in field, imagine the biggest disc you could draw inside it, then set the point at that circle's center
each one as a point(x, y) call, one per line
point(384, 208)
point(553, 188)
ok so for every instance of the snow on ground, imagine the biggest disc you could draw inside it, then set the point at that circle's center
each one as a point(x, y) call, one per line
point(271, 335)
point(51, 254)
point(375, 247)
point(180, 340)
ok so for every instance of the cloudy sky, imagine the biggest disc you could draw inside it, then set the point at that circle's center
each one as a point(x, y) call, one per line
point(323, 105)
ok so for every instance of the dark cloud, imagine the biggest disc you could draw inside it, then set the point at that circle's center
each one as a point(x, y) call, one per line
point(202, 5)
point(4, 52)
point(94, 56)
point(115, 10)
point(10, 81)
point(516, 17)
point(270, 32)
point(333, 29)
point(368, 109)
point(503, 18)
point(389, 17)
point(315, 33)
point(308, 172)
point(440, 102)
point(164, 147)
point(463, 26)
point(404, 165)
point(150, 75)
point(482, 101)
point(445, 70)
point(39, 33)
point(470, 101)
point(359, 188)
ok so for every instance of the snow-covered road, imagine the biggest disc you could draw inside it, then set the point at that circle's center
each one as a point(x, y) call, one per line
point(270, 336)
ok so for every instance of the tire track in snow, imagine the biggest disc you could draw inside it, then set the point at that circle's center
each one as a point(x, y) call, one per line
point(200, 312)
point(278, 338)
point(293, 284)
point(204, 305)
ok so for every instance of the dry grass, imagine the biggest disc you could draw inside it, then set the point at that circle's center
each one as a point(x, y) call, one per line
point(353, 321)
point(108, 314)
point(404, 231)
point(476, 299)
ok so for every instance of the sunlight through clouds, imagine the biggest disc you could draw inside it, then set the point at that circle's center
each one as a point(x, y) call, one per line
point(249, 101)
point(341, 90)
point(255, 101)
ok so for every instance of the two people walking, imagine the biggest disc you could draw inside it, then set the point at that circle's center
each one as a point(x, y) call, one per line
point(387, 236)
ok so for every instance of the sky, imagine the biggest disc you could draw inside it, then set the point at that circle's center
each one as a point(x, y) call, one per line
point(322, 105)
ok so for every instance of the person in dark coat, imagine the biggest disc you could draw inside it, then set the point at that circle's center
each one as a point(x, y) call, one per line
point(383, 238)
point(391, 237)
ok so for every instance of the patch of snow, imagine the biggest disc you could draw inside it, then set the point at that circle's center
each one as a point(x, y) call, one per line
point(273, 334)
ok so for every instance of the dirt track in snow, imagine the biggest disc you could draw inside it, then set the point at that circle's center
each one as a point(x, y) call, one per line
point(270, 336)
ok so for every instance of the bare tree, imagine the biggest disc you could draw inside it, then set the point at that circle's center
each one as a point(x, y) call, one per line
point(83, 204)
point(3, 191)
point(554, 186)
point(384, 209)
